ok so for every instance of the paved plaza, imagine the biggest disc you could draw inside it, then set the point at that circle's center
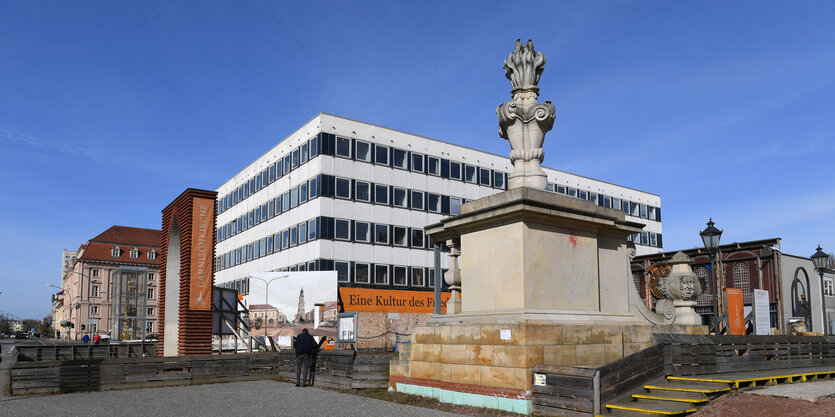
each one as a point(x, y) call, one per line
point(252, 398)
point(809, 391)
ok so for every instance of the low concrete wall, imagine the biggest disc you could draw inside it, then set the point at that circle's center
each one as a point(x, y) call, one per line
point(335, 369)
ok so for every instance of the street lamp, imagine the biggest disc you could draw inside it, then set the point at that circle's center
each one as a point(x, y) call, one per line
point(92, 302)
point(820, 259)
point(70, 307)
point(710, 238)
point(56, 324)
point(267, 301)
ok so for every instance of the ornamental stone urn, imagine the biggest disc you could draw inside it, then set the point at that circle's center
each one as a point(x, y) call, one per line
point(523, 121)
point(682, 286)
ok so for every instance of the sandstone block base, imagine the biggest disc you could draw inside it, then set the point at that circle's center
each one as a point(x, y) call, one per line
point(498, 359)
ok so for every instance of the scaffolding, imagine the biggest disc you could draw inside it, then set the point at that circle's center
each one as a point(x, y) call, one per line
point(130, 289)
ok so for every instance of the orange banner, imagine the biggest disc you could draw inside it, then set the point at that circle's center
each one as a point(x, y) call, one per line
point(736, 319)
point(202, 242)
point(391, 301)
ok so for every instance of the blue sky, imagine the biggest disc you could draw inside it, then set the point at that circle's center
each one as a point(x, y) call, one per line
point(108, 110)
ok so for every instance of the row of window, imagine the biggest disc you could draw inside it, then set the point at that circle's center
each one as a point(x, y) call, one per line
point(325, 228)
point(631, 208)
point(341, 188)
point(292, 160)
point(134, 253)
point(646, 238)
point(329, 144)
point(95, 273)
point(376, 154)
point(281, 204)
point(97, 292)
point(360, 273)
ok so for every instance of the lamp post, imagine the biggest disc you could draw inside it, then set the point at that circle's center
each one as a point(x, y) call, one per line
point(710, 238)
point(70, 307)
point(92, 301)
point(820, 259)
point(266, 301)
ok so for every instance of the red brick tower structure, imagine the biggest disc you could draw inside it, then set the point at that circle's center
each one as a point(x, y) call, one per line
point(187, 274)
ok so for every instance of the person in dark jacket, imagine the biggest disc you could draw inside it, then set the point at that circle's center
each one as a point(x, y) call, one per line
point(304, 345)
point(316, 349)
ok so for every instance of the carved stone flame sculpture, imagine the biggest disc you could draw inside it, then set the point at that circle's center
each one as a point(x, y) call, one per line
point(682, 286)
point(523, 121)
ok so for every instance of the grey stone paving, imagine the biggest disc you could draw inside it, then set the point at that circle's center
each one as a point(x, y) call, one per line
point(252, 398)
point(810, 391)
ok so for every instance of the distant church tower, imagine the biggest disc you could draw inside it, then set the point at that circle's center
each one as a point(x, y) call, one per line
point(300, 314)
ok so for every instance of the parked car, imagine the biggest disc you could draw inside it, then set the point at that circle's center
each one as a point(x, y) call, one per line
point(21, 335)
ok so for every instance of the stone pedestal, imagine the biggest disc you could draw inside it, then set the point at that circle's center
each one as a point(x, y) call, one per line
point(544, 280)
point(539, 255)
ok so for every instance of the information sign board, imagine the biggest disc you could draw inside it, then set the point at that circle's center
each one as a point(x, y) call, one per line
point(762, 318)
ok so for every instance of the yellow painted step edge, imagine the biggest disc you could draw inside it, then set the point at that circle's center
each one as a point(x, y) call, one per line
point(646, 410)
point(736, 381)
point(703, 390)
point(688, 378)
point(683, 400)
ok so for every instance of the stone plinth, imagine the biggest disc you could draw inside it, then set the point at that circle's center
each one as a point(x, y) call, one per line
point(541, 256)
point(544, 280)
point(473, 364)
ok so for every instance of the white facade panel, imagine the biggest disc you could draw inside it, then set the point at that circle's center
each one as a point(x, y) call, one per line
point(382, 174)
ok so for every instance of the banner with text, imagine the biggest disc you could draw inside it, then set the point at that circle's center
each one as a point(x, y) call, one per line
point(202, 242)
point(391, 301)
point(736, 317)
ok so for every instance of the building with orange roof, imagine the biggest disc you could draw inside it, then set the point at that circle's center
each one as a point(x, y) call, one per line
point(87, 281)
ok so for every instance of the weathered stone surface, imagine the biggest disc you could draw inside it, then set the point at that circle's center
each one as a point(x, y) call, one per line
point(498, 376)
point(576, 335)
point(443, 372)
point(513, 356)
point(630, 348)
point(606, 334)
point(416, 352)
point(613, 352)
point(559, 355)
point(491, 334)
point(421, 369)
point(524, 378)
point(479, 354)
point(442, 334)
point(543, 334)
point(453, 354)
point(465, 335)
point(637, 334)
point(423, 334)
point(432, 353)
point(591, 354)
point(466, 374)
point(533, 356)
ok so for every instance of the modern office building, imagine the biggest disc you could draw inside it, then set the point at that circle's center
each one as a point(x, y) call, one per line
point(344, 195)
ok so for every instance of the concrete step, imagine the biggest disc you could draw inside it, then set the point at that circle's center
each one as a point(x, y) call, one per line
point(664, 408)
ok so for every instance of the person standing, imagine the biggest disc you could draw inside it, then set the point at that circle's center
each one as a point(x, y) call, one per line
point(316, 348)
point(304, 349)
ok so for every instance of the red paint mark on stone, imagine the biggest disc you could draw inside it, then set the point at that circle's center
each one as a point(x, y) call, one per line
point(573, 240)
